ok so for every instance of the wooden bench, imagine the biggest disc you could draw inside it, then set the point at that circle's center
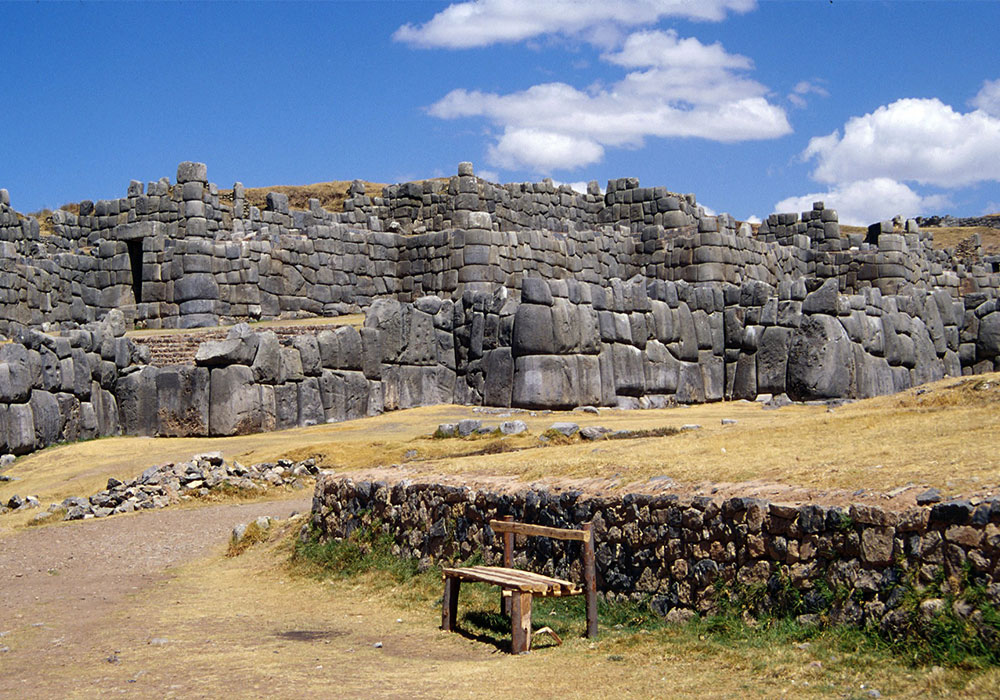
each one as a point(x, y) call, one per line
point(519, 587)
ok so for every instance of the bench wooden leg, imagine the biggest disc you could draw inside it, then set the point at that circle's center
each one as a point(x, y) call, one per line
point(449, 605)
point(520, 621)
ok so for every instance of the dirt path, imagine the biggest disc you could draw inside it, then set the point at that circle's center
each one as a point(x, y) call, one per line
point(61, 585)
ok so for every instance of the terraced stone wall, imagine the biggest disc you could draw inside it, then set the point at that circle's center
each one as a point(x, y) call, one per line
point(175, 255)
point(856, 563)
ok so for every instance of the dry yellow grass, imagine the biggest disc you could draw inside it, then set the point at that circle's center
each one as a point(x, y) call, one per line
point(248, 627)
point(331, 195)
point(356, 320)
point(949, 237)
point(939, 435)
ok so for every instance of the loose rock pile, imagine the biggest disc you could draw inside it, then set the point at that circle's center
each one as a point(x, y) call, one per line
point(165, 484)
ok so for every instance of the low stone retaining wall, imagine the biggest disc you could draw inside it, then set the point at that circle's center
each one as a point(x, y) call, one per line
point(854, 562)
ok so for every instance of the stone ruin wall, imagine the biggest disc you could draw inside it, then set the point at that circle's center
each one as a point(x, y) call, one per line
point(856, 563)
point(634, 298)
point(196, 261)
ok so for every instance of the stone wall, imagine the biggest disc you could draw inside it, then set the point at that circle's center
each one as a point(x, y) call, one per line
point(679, 552)
point(63, 388)
point(563, 344)
point(174, 255)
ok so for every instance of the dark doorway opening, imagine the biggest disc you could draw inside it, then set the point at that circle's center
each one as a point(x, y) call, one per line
point(135, 262)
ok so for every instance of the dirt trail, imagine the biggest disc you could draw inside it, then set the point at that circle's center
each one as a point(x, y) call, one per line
point(61, 585)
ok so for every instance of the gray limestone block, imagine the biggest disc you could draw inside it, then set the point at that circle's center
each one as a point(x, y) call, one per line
point(191, 172)
point(533, 331)
point(901, 379)
point(182, 399)
point(545, 381)
point(407, 386)
point(371, 352)
point(5, 198)
point(386, 316)
point(702, 329)
point(20, 429)
point(268, 408)
point(606, 366)
point(106, 411)
point(331, 392)
point(47, 418)
point(220, 353)
point(588, 380)
point(772, 360)
point(565, 327)
point(308, 349)
point(267, 359)
point(286, 405)
point(196, 286)
point(713, 372)
point(15, 381)
point(661, 369)
point(690, 384)
point(193, 190)
point(137, 402)
point(820, 361)
point(663, 326)
point(328, 345)
point(823, 300)
point(69, 409)
point(420, 342)
point(88, 420)
point(234, 401)
point(607, 326)
point(357, 395)
point(498, 370)
point(873, 374)
point(291, 364)
point(988, 340)
point(81, 373)
point(952, 364)
point(310, 404)
point(638, 329)
point(687, 335)
point(630, 378)
point(927, 367)
point(277, 202)
point(535, 290)
point(745, 377)
point(587, 324)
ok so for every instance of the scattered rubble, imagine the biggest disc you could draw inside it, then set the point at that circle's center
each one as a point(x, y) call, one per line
point(165, 484)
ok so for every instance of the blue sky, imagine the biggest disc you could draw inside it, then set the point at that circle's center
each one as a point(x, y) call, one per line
point(877, 107)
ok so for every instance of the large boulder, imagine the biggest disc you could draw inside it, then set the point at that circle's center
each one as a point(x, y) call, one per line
point(533, 331)
point(550, 381)
point(988, 342)
point(234, 401)
point(772, 360)
point(182, 399)
point(137, 402)
point(820, 361)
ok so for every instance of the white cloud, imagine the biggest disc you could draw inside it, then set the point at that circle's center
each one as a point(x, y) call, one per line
point(685, 89)
point(490, 175)
point(866, 201)
point(752, 219)
point(578, 186)
point(527, 148)
point(803, 88)
point(988, 98)
point(920, 140)
point(485, 22)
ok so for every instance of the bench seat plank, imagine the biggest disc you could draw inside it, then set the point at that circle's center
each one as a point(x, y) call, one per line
point(516, 579)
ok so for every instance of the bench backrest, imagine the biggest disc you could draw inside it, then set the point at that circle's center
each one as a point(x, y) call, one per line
point(509, 528)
